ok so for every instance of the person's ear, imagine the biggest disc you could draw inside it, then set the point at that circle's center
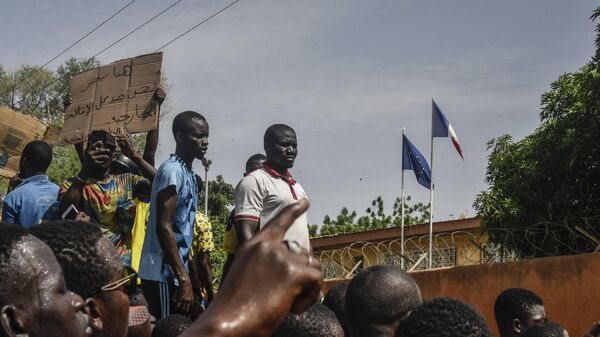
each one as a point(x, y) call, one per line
point(178, 137)
point(94, 312)
point(12, 321)
point(517, 327)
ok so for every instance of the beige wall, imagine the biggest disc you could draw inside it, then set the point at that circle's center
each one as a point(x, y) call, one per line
point(568, 285)
point(466, 252)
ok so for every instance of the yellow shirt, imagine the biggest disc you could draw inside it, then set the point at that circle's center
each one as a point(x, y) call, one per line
point(203, 235)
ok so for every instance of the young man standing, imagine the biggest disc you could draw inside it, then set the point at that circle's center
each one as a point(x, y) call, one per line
point(265, 192)
point(34, 198)
point(164, 261)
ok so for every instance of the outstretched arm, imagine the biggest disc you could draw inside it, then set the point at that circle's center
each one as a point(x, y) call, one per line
point(148, 170)
point(288, 282)
point(150, 147)
point(152, 135)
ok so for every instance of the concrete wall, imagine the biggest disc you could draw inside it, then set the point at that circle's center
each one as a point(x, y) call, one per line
point(569, 286)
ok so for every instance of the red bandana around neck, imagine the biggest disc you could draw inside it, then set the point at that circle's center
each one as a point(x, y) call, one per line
point(287, 178)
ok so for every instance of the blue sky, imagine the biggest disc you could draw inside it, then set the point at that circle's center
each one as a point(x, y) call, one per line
point(347, 75)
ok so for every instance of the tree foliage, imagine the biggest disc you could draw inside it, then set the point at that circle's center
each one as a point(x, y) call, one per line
point(40, 93)
point(554, 173)
point(220, 201)
point(376, 218)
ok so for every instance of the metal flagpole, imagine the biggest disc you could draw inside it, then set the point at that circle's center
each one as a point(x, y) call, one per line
point(402, 212)
point(431, 195)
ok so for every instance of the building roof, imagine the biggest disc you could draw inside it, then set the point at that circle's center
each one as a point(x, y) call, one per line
point(341, 240)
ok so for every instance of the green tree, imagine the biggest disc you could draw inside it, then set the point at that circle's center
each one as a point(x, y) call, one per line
point(220, 201)
point(554, 173)
point(40, 93)
point(376, 218)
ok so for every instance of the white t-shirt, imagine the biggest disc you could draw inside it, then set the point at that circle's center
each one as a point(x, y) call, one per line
point(260, 196)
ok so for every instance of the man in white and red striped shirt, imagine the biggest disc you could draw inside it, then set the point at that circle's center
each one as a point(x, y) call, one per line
point(265, 192)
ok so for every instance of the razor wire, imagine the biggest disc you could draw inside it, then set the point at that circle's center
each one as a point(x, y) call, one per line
point(464, 247)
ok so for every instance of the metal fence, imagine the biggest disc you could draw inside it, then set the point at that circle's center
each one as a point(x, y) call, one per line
point(488, 245)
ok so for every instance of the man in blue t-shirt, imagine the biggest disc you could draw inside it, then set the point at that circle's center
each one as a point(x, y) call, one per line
point(164, 260)
point(34, 198)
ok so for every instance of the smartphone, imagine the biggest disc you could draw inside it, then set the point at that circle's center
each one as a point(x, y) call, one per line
point(107, 139)
point(70, 213)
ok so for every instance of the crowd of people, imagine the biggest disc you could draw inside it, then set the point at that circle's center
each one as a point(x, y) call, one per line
point(121, 249)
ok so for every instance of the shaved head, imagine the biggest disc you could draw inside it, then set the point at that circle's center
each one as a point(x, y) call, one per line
point(255, 162)
point(281, 147)
point(36, 157)
point(182, 122)
point(275, 131)
point(379, 298)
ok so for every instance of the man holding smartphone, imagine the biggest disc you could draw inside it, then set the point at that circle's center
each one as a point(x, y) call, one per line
point(104, 197)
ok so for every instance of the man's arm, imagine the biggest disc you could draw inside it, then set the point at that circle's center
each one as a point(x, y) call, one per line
point(289, 282)
point(201, 276)
point(9, 214)
point(14, 182)
point(148, 171)
point(152, 135)
point(166, 202)
point(80, 152)
point(71, 197)
point(248, 205)
point(245, 229)
point(151, 146)
point(205, 274)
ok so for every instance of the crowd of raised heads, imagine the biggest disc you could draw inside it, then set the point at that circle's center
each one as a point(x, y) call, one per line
point(65, 279)
point(121, 249)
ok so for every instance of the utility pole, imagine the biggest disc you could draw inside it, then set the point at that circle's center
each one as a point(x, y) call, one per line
point(206, 163)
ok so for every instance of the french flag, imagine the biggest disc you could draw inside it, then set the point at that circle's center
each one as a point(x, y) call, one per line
point(442, 127)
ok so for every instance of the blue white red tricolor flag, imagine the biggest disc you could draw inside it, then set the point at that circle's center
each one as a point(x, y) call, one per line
point(443, 128)
point(412, 159)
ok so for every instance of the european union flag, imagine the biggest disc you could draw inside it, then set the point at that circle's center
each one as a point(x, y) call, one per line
point(412, 159)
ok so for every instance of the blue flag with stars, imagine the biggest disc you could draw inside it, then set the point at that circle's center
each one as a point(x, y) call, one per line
point(413, 160)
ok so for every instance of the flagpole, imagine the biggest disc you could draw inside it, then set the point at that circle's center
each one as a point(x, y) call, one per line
point(431, 195)
point(402, 212)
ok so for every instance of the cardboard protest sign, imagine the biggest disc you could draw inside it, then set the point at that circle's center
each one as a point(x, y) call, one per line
point(16, 130)
point(116, 97)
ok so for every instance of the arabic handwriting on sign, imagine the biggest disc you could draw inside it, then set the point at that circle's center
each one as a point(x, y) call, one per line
point(142, 90)
point(94, 80)
point(125, 71)
point(79, 110)
point(74, 139)
point(146, 113)
point(117, 99)
point(102, 100)
point(123, 118)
